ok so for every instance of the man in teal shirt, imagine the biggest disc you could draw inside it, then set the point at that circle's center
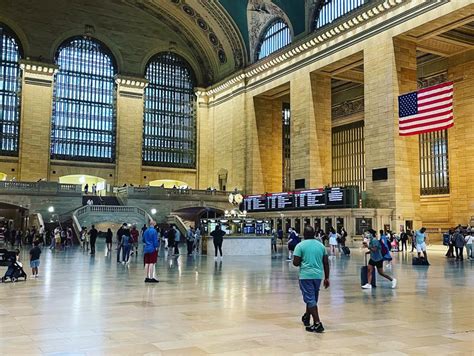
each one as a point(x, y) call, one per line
point(420, 243)
point(312, 259)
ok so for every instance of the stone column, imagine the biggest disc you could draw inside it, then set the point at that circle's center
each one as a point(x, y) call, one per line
point(35, 122)
point(390, 70)
point(460, 147)
point(311, 129)
point(130, 106)
point(204, 141)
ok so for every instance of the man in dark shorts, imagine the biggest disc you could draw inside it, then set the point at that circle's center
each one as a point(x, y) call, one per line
point(376, 261)
point(311, 257)
point(93, 235)
point(150, 251)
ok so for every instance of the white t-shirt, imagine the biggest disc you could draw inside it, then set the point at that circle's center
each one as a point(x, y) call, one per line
point(469, 239)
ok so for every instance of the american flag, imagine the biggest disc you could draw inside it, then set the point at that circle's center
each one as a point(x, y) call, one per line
point(426, 110)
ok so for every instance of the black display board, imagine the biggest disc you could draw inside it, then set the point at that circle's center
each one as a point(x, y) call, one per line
point(335, 197)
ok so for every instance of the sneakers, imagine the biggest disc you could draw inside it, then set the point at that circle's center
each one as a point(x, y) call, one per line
point(316, 328)
point(306, 319)
point(153, 280)
point(147, 280)
point(367, 286)
point(394, 283)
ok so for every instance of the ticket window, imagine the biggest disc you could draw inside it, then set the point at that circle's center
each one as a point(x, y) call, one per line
point(298, 225)
point(287, 225)
point(327, 225)
point(339, 224)
point(317, 224)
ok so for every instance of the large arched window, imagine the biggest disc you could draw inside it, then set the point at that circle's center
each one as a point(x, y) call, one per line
point(330, 10)
point(276, 36)
point(169, 124)
point(83, 125)
point(9, 93)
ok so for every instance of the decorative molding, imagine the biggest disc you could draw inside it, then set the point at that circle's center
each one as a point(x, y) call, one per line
point(38, 68)
point(131, 82)
point(348, 108)
point(431, 80)
point(345, 24)
point(236, 41)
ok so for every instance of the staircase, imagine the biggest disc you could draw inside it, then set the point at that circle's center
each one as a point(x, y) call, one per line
point(94, 214)
point(181, 224)
point(98, 200)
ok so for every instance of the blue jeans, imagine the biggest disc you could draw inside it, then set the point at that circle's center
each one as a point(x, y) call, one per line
point(125, 253)
point(310, 290)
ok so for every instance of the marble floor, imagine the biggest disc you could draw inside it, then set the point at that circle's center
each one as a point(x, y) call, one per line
point(82, 305)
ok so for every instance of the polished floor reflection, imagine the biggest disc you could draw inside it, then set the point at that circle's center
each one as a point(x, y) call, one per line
point(85, 305)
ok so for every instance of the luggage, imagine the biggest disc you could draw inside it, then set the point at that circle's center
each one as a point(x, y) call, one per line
point(363, 275)
point(419, 262)
point(445, 239)
point(346, 251)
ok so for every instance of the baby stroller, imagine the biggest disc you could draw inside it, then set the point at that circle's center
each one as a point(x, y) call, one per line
point(15, 270)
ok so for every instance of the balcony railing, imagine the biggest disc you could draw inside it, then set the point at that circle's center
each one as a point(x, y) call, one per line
point(39, 188)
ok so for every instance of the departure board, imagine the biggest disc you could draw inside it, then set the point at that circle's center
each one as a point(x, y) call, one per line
point(255, 203)
point(279, 201)
point(310, 199)
point(323, 198)
point(335, 197)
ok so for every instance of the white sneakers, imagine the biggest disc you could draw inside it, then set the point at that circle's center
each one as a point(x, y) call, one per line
point(369, 286)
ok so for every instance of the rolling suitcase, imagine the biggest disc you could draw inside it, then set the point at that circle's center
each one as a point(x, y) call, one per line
point(419, 262)
point(346, 251)
point(363, 274)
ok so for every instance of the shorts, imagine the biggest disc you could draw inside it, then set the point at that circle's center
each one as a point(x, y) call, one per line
point(376, 264)
point(150, 258)
point(35, 263)
point(421, 247)
point(310, 290)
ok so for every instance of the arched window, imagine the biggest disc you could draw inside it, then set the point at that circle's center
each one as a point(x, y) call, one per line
point(9, 93)
point(169, 123)
point(276, 36)
point(83, 125)
point(331, 10)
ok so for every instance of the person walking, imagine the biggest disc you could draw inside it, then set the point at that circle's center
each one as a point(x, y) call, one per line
point(108, 239)
point(86, 189)
point(134, 233)
point(35, 254)
point(85, 239)
point(384, 239)
point(177, 239)
point(376, 261)
point(93, 238)
point(293, 240)
point(125, 245)
point(469, 239)
point(274, 240)
point(333, 243)
point(403, 240)
point(190, 240)
point(420, 238)
point(459, 244)
point(311, 257)
point(217, 239)
point(69, 237)
point(150, 252)
point(120, 233)
point(197, 240)
point(171, 235)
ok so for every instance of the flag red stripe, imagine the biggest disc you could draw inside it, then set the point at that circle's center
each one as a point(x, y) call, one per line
point(450, 90)
point(426, 131)
point(449, 98)
point(450, 105)
point(427, 124)
point(415, 119)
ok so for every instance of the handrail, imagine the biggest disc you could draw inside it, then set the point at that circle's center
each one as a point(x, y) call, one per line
point(153, 191)
point(110, 209)
point(42, 187)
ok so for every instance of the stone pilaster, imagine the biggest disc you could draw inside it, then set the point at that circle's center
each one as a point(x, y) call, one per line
point(460, 147)
point(130, 106)
point(390, 70)
point(204, 140)
point(311, 129)
point(35, 123)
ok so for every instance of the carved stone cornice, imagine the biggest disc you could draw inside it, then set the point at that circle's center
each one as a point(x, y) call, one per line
point(38, 73)
point(132, 87)
point(348, 108)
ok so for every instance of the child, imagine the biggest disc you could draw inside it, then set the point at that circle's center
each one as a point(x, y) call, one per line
point(35, 253)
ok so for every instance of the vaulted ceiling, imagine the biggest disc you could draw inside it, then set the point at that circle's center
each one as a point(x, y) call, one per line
point(213, 35)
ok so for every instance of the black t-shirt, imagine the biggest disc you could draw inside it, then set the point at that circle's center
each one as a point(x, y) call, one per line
point(35, 253)
point(93, 233)
point(218, 235)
